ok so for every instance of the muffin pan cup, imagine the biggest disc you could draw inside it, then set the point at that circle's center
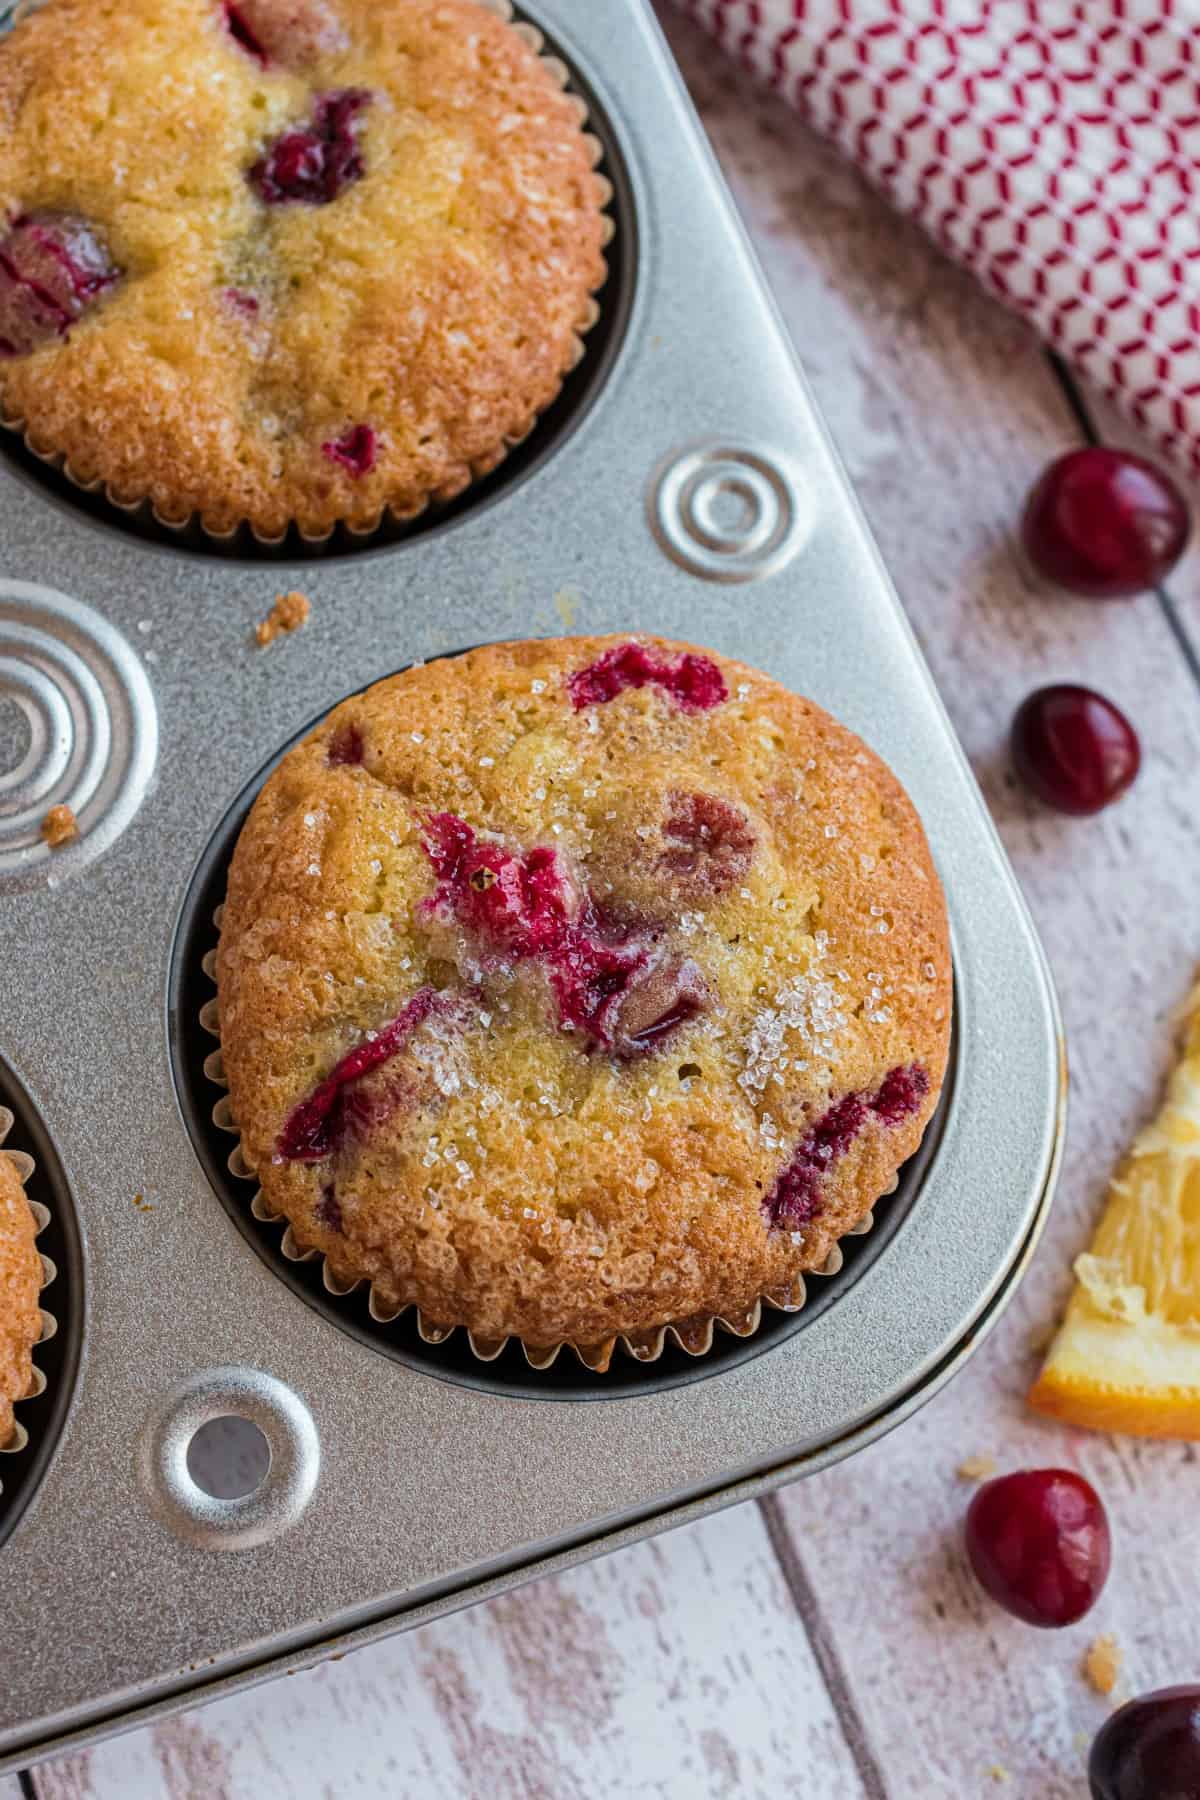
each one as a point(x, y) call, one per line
point(140, 511)
point(695, 496)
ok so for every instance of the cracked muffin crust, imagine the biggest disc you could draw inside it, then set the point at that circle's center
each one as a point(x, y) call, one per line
point(572, 987)
point(287, 260)
point(20, 1284)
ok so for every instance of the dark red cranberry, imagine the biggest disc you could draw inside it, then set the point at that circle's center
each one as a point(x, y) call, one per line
point(694, 682)
point(660, 995)
point(239, 301)
point(1039, 1544)
point(293, 33)
point(1150, 1749)
point(312, 164)
point(1105, 524)
point(710, 844)
point(345, 746)
point(530, 905)
point(795, 1199)
point(52, 268)
point(1074, 749)
point(318, 1126)
point(355, 450)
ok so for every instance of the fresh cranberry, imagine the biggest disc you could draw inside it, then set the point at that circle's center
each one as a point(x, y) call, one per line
point(694, 682)
point(1150, 1749)
point(312, 164)
point(319, 1125)
point(355, 450)
point(1105, 524)
point(1039, 1544)
point(1074, 749)
point(345, 747)
point(293, 33)
point(710, 844)
point(795, 1199)
point(52, 267)
point(239, 301)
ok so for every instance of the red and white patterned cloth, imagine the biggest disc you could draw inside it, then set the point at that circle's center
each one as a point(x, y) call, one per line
point(1053, 146)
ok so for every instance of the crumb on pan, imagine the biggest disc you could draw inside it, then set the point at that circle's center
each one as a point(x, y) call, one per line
point(1102, 1663)
point(289, 613)
point(977, 1468)
point(60, 826)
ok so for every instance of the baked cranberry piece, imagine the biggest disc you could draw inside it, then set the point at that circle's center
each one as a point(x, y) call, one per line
point(711, 844)
point(611, 984)
point(1074, 749)
point(1105, 524)
point(312, 164)
point(52, 267)
point(694, 682)
point(658, 995)
point(293, 33)
point(1039, 1544)
point(795, 1199)
point(319, 1126)
point(355, 450)
point(345, 747)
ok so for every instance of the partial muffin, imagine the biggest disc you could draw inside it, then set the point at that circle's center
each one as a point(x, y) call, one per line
point(287, 260)
point(20, 1284)
point(568, 988)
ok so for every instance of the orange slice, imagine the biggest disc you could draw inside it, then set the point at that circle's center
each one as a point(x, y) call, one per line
point(1127, 1356)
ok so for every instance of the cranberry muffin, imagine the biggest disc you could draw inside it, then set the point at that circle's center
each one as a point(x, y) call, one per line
point(20, 1284)
point(570, 988)
point(287, 260)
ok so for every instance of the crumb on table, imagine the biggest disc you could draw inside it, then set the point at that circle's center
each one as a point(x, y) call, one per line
point(1102, 1664)
point(999, 1773)
point(977, 1468)
point(59, 826)
point(288, 614)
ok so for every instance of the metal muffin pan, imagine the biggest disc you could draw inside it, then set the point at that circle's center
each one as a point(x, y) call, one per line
point(688, 488)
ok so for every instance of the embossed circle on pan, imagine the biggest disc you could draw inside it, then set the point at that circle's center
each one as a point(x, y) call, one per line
point(726, 511)
point(191, 999)
point(599, 348)
point(41, 1416)
point(90, 731)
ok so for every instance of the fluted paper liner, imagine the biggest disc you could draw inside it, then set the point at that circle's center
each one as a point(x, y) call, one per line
point(24, 1166)
point(695, 1335)
point(142, 508)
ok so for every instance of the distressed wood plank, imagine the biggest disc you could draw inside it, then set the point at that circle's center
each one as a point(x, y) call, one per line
point(945, 417)
point(679, 1667)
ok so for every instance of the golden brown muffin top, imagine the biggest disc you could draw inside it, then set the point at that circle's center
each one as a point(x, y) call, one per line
point(286, 259)
point(575, 986)
point(20, 1284)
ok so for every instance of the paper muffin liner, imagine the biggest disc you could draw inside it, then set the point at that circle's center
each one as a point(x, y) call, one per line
point(24, 1166)
point(140, 508)
point(695, 1335)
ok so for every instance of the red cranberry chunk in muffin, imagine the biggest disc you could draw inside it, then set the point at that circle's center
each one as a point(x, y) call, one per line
point(292, 34)
point(312, 164)
point(565, 1019)
point(53, 266)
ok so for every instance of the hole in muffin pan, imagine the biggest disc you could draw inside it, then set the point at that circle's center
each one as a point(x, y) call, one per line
point(580, 390)
point(229, 1457)
point(190, 989)
point(57, 1357)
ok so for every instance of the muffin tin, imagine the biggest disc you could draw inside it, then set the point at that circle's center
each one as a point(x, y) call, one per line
point(682, 484)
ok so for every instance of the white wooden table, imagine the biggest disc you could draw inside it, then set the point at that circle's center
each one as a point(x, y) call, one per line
point(829, 1642)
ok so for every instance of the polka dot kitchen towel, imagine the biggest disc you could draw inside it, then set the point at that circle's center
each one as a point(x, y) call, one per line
point(1053, 146)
